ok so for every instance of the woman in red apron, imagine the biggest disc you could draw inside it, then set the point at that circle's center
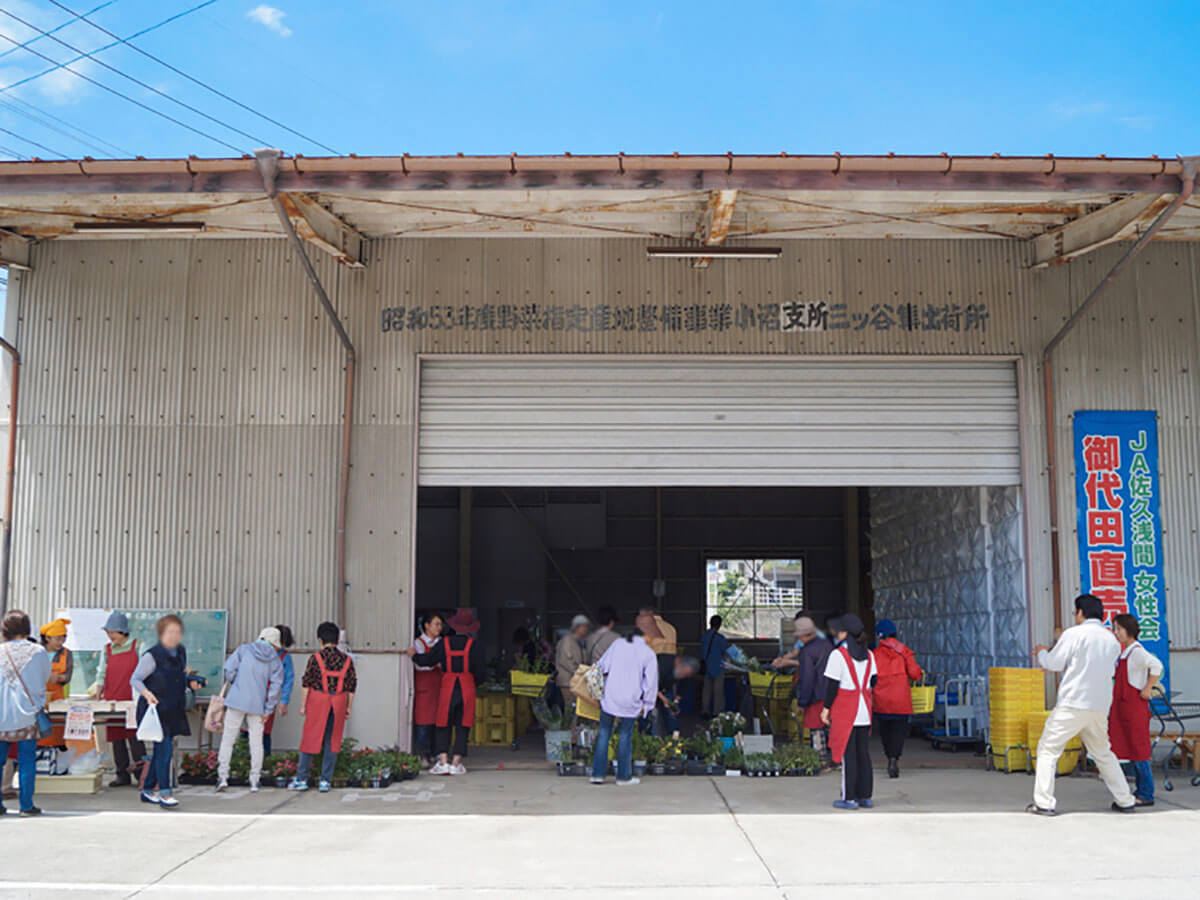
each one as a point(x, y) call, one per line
point(461, 660)
point(849, 677)
point(326, 696)
point(427, 686)
point(117, 662)
point(1138, 672)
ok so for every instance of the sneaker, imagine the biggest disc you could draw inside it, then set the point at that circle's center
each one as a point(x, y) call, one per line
point(628, 781)
point(845, 804)
point(168, 802)
point(595, 780)
point(297, 785)
point(1036, 810)
point(1142, 801)
point(222, 785)
point(32, 811)
point(254, 787)
point(866, 804)
point(324, 786)
point(460, 769)
point(151, 798)
point(440, 768)
point(1116, 807)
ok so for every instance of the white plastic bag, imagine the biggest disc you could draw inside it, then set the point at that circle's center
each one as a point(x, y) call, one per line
point(150, 729)
point(85, 763)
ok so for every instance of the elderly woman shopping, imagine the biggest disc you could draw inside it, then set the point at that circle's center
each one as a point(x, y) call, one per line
point(24, 671)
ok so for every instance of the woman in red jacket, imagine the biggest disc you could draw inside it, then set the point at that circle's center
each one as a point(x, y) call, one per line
point(893, 698)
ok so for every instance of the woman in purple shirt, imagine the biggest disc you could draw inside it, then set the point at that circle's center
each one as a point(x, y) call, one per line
point(630, 689)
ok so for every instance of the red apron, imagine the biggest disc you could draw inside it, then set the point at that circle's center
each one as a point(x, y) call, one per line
point(319, 705)
point(118, 669)
point(812, 716)
point(845, 706)
point(464, 679)
point(1129, 718)
point(427, 686)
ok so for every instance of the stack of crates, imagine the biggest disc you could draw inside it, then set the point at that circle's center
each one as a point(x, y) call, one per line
point(1013, 696)
point(495, 721)
point(1036, 722)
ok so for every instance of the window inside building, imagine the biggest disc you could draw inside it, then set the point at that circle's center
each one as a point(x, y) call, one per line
point(754, 596)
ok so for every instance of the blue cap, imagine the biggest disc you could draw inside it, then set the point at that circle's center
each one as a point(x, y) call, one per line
point(117, 621)
point(885, 628)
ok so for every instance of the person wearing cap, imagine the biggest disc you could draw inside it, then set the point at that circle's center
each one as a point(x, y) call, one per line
point(569, 655)
point(253, 682)
point(117, 662)
point(898, 670)
point(849, 680)
point(62, 665)
point(809, 658)
point(461, 657)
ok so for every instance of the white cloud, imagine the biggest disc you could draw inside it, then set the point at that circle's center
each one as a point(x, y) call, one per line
point(270, 17)
point(1068, 111)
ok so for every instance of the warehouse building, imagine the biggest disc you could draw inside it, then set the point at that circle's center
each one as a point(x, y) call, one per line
point(300, 389)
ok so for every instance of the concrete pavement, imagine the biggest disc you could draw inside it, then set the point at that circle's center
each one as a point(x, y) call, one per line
point(934, 834)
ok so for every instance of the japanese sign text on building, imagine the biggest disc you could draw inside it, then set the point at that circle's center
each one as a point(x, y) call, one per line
point(1120, 533)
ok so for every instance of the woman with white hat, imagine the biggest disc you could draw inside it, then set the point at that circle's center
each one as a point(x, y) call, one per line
point(254, 676)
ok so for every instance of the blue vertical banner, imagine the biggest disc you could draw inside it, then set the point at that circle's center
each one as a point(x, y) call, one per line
point(1120, 530)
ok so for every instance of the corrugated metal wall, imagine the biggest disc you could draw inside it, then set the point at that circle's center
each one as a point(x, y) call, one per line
point(182, 398)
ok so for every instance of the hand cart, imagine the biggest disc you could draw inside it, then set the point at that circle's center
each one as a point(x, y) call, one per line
point(767, 686)
point(1171, 713)
point(960, 708)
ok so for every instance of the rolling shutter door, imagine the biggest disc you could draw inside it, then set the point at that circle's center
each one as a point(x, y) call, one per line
point(547, 422)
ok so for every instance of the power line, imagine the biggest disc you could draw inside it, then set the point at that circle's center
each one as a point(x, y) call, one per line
point(139, 83)
point(36, 116)
point(196, 81)
point(58, 65)
point(34, 40)
point(21, 137)
point(138, 103)
point(12, 152)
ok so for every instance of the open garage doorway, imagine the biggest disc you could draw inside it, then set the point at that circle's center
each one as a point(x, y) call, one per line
point(552, 487)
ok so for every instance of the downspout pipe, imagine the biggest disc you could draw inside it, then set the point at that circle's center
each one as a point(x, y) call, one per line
point(1191, 165)
point(268, 167)
point(10, 473)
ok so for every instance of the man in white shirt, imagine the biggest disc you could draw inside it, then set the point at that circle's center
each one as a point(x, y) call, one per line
point(1086, 654)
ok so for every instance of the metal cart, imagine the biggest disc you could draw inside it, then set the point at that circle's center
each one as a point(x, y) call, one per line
point(959, 713)
point(1171, 713)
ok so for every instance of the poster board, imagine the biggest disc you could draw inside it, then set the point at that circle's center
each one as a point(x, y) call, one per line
point(204, 635)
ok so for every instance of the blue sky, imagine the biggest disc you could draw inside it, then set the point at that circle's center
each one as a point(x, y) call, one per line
point(378, 77)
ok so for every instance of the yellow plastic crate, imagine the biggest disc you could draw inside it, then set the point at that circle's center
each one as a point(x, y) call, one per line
point(525, 684)
point(1009, 758)
point(492, 733)
point(495, 706)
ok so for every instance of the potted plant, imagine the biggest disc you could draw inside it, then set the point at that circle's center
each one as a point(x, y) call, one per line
point(698, 748)
point(734, 760)
point(645, 749)
point(715, 765)
point(408, 766)
point(198, 768)
point(727, 726)
point(281, 767)
point(239, 764)
point(671, 754)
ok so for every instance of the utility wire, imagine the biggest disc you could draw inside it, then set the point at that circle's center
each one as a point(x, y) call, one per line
point(58, 65)
point(139, 83)
point(181, 73)
point(21, 137)
point(12, 152)
point(34, 40)
point(138, 103)
point(36, 116)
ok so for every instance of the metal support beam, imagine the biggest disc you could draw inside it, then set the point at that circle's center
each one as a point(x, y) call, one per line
point(714, 225)
point(1191, 169)
point(268, 167)
point(14, 250)
point(321, 228)
point(1117, 221)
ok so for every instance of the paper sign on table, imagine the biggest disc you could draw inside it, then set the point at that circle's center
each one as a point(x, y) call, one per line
point(131, 717)
point(79, 723)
